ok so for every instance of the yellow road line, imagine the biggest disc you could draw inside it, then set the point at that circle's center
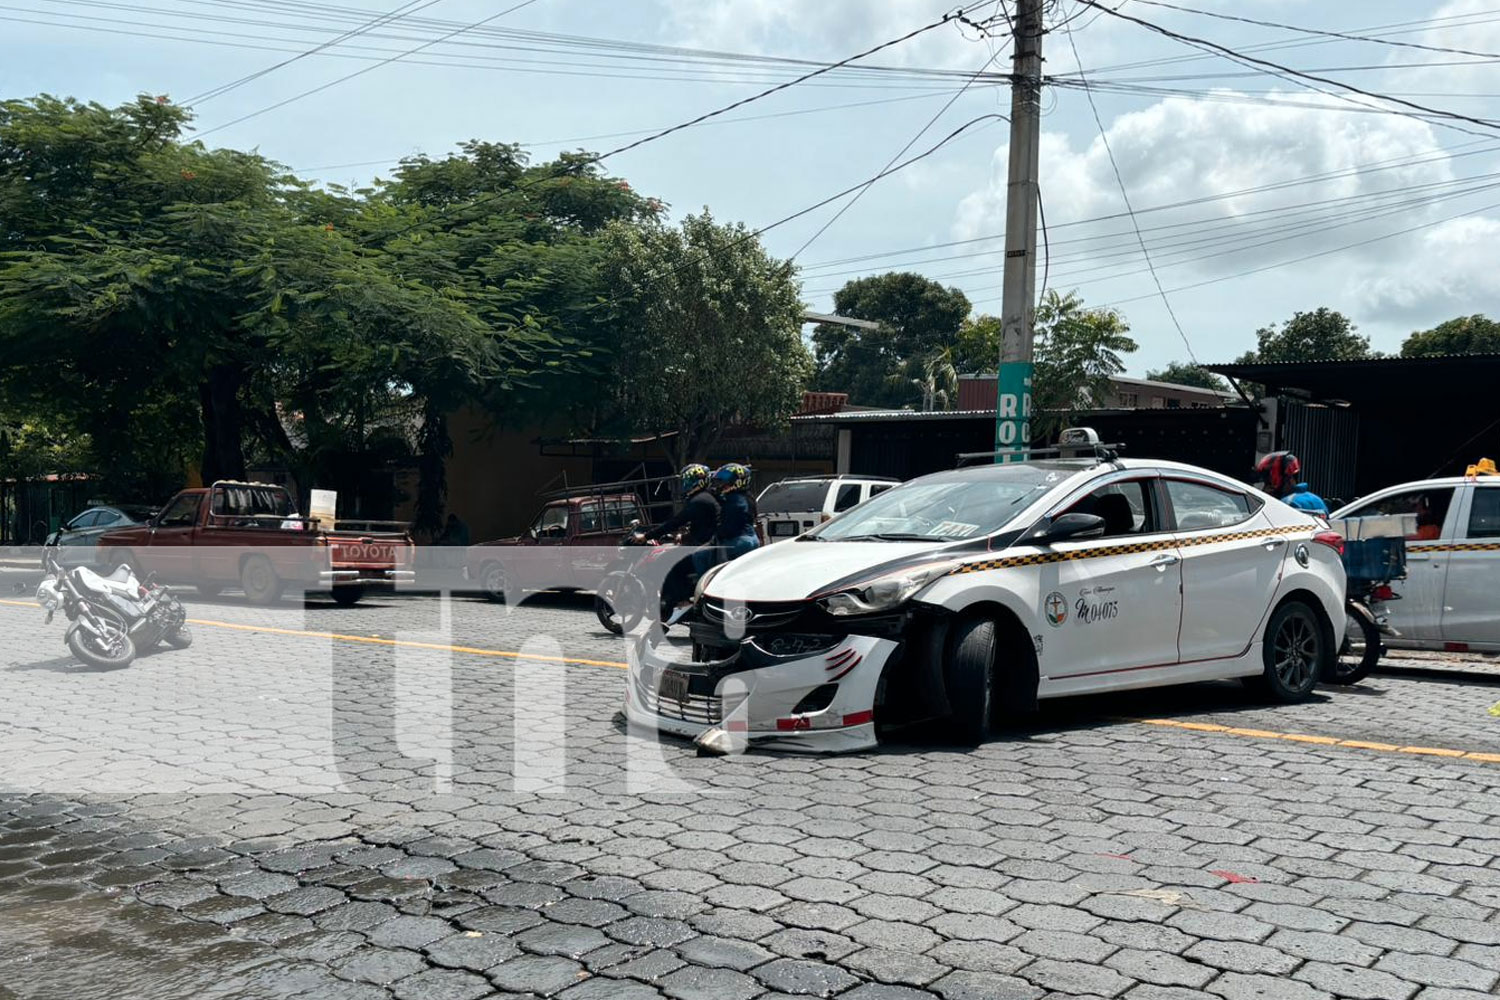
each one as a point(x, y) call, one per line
point(1200, 727)
point(377, 641)
point(1266, 734)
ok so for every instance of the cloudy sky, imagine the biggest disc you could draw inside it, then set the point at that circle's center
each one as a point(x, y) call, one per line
point(1256, 196)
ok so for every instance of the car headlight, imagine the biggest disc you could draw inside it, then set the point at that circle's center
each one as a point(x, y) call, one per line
point(884, 593)
point(703, 581)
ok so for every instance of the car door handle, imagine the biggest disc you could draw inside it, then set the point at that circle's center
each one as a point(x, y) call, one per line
point(1164, 560)
point(1273, 543)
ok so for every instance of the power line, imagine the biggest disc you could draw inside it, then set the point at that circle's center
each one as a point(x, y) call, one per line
point(367, 69)
point(1322, 253)
point(1357, 170)
point(1135, 223)
point(1379, 30)
point(1340, 35)
point(647, 131)
point(994, 55)
point(1267, 64)
point(706, 116)
point(351, 33)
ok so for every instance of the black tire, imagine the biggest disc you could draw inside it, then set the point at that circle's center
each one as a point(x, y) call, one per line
point(180, 639)
point(1360, 652)
point(120, 652)
point(259, 581)
point(619, 603)
point(493, 581)
point(209, 590)
point(969, 675)
point(1297, 653)
point(348, 597)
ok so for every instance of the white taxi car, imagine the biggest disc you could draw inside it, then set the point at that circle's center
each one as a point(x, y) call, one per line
point(1448, 599)
point(986, 588)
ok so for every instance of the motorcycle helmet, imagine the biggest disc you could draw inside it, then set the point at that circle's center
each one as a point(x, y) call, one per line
point(1278, 471)
point(693, 478)
point(732, 476)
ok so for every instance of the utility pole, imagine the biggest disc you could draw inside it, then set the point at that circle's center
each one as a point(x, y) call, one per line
point(1018, 305)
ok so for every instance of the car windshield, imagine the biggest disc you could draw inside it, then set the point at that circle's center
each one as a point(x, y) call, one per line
point(969, 503)
point(786, 497)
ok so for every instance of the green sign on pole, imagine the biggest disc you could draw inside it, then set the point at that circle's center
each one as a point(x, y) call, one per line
point(1013, 411)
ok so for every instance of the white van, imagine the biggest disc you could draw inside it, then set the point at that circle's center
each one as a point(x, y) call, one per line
point(792, 506)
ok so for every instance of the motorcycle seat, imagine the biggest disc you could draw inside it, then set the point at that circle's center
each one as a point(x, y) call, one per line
point(121, 574)
point(106, 584)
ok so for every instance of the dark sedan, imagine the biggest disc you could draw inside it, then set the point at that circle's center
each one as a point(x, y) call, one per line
point(75, 542)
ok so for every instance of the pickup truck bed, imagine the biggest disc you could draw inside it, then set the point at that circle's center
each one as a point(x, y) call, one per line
point(249, 535)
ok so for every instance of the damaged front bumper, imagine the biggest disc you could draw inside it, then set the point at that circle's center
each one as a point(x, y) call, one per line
point(815, 699)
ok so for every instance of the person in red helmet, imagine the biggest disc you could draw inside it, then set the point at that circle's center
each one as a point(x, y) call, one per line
point(1278, 475)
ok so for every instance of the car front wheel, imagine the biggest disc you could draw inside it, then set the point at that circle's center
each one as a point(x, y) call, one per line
point(969, 676)
point(1296, 653)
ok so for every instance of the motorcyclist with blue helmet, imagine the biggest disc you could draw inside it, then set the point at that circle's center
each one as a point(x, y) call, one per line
point(737, 514)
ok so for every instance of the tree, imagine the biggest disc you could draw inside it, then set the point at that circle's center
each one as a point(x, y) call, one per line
point(1077, 352)
point(708, 332)
point(1321, 335)
point(1475, 334)
point(977, 350)
point(1187, 373)
point(937, 380)
point(917, 316)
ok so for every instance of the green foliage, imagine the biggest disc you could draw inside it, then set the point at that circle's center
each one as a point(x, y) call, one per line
point(917, 317)
point(708, 332)
point(1475, 334)
point(977, 350)
point(1321, 335)
point(1187, 373)
point(154, 291)
point(1077, 351)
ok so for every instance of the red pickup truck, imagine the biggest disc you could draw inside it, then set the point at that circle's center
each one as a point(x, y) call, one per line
point(250, 535)
point(540, 559)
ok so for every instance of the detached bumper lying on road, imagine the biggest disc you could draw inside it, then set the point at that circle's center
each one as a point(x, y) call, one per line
point(822, 701)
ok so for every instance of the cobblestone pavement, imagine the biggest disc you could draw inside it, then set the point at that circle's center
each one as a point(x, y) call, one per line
point(275, 814)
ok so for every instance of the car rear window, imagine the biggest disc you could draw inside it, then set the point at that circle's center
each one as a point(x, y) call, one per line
point(780, 498)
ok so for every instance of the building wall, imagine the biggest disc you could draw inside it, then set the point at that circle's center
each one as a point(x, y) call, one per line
point(494, 475)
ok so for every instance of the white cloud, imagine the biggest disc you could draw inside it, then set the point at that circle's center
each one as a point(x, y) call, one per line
point(1179, 150)
point(829, 29)
point(1445, 271)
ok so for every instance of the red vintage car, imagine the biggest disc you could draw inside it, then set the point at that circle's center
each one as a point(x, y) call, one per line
point(569, 546)
point(250, 535)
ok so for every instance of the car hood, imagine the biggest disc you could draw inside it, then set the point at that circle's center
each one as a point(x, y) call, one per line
point(792, 571)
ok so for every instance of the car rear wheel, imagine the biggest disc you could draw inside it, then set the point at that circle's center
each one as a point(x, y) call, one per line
point(969, 675)
point(1296, 653)
point(259, 581)
point(493, 581)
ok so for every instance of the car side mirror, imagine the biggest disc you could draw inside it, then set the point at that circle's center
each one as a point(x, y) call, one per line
point(1066, 526)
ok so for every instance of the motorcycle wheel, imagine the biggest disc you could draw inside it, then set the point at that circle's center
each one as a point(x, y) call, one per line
point(618, 603)
point(1359, 653)
point(180, 639)
point(117, 652)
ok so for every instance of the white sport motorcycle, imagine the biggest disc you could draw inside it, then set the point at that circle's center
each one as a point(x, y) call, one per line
point(112, 618)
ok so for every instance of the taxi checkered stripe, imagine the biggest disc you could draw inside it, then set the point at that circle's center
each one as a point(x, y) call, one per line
point(1104, 551)
point(1457, 547)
